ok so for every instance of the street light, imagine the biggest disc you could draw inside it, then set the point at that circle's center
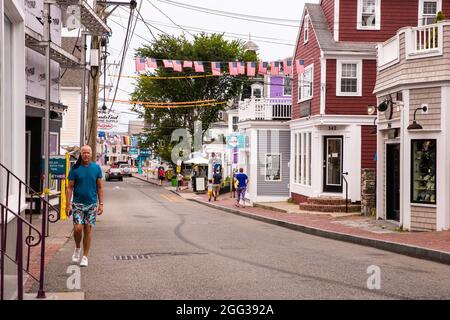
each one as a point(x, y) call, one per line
point(415, 125)
point(370, 111)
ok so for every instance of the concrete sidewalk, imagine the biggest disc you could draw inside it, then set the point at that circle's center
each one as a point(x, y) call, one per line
point(434, 246)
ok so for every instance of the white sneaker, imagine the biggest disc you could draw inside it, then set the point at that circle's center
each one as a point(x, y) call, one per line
point(76, 255)
point(84, 262)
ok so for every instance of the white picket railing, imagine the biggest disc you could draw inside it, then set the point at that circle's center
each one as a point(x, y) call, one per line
point(265, 109)
point(420, 42)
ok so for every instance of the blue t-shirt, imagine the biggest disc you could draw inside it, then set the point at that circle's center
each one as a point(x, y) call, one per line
point(217, 178)
point(85, 178)
point(241, 178)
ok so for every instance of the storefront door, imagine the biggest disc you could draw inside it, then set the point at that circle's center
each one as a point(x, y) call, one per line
point(332, 164)
point(393, 182)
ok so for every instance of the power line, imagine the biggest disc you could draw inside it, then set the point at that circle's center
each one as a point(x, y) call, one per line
point(175, 3)
point(199, 9)
point(130, 18)
point(208, 31)
point(215, 31)
point(169, 18)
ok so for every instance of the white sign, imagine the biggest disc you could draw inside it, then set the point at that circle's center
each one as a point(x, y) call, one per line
point(107, 121)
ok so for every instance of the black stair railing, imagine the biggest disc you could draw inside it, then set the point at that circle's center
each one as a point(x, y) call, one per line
point(34, 204)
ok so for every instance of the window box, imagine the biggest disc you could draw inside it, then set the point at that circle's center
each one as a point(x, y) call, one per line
point(423, 171)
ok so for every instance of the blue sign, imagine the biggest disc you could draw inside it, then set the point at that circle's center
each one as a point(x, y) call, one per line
point(133, 150)
point(144, 152)
point(57, 167)
point(235, 140)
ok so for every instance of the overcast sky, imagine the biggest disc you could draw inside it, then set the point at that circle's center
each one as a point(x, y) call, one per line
point(282, 9)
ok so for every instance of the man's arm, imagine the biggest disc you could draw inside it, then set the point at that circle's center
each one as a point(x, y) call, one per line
point(69, 192)
point(100, 195)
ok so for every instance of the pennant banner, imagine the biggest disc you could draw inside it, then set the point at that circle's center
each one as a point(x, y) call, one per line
point(249, 68)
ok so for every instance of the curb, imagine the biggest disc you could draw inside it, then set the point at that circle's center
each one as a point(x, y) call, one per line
point(416, 252)
point(404, 249)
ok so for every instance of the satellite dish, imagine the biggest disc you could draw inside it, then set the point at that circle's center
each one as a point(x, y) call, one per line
point(382, 106)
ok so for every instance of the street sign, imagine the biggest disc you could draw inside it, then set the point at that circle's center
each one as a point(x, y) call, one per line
point(144, 152)
point(57, 167)
point(133, 151)
point(235, 140)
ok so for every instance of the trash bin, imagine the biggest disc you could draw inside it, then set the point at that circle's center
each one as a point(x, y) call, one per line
point(174, 182)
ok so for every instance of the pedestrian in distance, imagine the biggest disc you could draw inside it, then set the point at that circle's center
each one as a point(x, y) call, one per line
point(161, 175)
point(217, 180)
point(210, 189)
point(180, 178)
point(242, 183)
point(86, 186)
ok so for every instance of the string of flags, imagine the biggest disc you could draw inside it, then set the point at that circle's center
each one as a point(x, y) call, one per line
point(249, 68)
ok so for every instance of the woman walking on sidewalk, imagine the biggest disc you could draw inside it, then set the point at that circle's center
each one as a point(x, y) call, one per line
point(85, 182)
point(242, 180)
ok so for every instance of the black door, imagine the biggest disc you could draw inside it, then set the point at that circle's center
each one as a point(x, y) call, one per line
point(393, 182)
point(332, 163)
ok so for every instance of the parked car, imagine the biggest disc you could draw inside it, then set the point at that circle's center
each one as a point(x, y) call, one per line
point(126, 169)
point(114, 173)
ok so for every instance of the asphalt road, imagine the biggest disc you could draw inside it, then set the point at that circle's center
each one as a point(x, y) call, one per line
point(188, 251)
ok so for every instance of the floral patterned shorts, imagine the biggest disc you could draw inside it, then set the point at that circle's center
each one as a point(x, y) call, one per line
point(84, 213)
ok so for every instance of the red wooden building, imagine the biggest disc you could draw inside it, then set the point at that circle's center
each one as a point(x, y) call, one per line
point(331, 128)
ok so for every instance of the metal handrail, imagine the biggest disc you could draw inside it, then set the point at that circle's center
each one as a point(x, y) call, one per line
point(346, 190)
point(49, 214)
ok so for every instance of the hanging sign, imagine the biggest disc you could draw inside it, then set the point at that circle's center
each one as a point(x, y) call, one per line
point(107, 121)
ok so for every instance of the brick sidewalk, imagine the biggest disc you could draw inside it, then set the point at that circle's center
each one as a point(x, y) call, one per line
point(59, 234)
point(427, 245)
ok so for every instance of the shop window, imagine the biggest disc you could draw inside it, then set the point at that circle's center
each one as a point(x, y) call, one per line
point(302, 152)
point(273, 167)
point(423, 167)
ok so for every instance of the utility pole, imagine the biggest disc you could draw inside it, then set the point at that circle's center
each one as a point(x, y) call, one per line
point(94, 87)
point(83, 89)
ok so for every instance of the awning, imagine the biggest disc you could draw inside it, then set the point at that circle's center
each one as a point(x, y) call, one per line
point(197, 160)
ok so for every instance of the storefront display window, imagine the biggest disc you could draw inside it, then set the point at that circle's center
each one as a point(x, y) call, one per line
point(273, 167)
point(423, 166)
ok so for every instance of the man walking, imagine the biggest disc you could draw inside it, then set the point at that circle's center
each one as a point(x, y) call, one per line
point(242, 184)
point(85, 182)
point(217, 179)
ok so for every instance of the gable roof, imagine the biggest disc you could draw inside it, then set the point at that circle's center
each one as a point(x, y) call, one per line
point(72, 77)
point(325, 37)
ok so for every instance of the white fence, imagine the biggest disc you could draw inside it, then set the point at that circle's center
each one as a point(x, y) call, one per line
point(420, 42)
point(265, 109)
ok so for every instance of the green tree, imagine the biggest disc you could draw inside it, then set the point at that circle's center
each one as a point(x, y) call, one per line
point(162, 122)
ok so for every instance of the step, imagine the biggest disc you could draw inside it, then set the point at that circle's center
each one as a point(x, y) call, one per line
point(305, 206)
point(326, 200)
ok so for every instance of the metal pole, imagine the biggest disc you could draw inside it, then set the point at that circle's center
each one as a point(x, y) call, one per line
point(83, 88)
point(47, 22)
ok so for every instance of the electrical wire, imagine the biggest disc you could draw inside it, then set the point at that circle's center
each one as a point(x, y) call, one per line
point(227, 12)
point(210, 30)
point(130, 18)
point(189, 7)
point(169, 18)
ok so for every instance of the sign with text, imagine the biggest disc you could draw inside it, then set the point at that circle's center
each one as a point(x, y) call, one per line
point(57, 167)
point(107, 121)
point(235, 140)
